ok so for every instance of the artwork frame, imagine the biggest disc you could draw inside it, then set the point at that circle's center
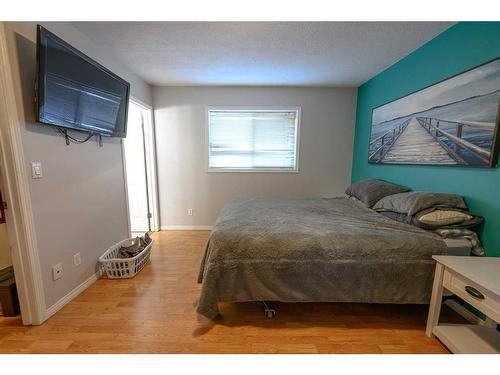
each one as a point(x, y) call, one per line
point(460, 141)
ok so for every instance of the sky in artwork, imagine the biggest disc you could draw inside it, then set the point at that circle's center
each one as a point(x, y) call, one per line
point(479, 81)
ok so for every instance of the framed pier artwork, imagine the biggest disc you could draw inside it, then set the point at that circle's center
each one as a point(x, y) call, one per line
point(453, 123)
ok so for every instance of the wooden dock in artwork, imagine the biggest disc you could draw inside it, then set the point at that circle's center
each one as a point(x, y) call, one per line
point(419, 140)
point(417, 144)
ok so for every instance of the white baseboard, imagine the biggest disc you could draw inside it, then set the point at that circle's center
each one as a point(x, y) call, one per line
point(186, 227)
point(71, 295)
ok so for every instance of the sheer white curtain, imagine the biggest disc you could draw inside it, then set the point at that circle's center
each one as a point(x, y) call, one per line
point(253, 139)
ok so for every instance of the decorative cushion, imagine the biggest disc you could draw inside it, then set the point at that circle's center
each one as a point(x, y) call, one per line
point(410, 203)
point(445, 221)
point(371, 191)
point(443, 217)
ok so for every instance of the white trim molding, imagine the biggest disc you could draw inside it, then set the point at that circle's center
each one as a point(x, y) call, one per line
point(151, 167)
point(20, 221)
point(186, 227)
point(124, 171)
point(71, 295)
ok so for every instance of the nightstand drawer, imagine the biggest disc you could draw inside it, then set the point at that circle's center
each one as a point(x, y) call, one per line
point(472, 293)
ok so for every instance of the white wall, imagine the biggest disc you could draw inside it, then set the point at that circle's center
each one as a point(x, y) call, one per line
point(326, 140)
point(79, 205)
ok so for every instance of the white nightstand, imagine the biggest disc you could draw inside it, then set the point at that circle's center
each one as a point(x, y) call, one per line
point(476, 280)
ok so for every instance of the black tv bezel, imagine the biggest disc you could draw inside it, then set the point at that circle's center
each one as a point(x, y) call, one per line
point(42, 32)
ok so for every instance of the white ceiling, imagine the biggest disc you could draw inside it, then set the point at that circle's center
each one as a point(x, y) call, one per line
point(260, 53)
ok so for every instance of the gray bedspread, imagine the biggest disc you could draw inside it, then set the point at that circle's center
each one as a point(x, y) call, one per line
point(314, 250)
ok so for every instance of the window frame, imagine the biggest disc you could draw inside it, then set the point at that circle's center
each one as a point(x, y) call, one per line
point(296, 109)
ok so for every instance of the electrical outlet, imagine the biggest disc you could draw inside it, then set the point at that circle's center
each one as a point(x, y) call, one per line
point(57, 271)
point(190, 212)
point(77, 259)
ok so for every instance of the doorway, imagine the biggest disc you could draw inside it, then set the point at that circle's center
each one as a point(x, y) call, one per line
point(140, 170)
point(9, 302)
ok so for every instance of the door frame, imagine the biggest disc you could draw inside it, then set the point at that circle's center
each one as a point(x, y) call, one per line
point(19, 215)
point(151, 169)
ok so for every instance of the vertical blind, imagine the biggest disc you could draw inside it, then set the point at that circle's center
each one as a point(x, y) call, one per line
point(257, 139)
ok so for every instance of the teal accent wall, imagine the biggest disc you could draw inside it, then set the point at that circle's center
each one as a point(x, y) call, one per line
point(459, 48)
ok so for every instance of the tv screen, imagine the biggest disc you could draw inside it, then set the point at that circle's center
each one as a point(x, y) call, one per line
point(75, 92)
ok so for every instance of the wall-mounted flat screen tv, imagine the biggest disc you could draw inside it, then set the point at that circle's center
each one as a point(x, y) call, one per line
point(76, 92)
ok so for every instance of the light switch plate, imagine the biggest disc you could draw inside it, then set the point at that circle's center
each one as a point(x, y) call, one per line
point(36, 169)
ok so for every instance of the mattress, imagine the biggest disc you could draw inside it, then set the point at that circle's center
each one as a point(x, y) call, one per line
point(458, 246)
point(314, 250)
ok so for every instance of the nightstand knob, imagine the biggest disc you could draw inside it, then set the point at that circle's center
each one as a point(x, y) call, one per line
point(474, 292)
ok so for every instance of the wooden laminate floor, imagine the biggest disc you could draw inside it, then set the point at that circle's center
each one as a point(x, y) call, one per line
point(155, 313)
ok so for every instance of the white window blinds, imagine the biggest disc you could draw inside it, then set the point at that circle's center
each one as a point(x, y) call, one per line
point(253, 139)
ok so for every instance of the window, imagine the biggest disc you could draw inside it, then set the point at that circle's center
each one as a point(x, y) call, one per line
point(253, 139)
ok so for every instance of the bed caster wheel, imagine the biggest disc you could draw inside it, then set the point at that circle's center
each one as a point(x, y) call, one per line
point(270, 313)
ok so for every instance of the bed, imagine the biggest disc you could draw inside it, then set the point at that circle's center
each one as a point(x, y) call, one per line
point(314, 250)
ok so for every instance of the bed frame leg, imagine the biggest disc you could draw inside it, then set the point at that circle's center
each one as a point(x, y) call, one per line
point(269, 311)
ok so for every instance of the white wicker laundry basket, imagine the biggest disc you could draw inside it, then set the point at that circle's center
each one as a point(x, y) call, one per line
point(118, 268)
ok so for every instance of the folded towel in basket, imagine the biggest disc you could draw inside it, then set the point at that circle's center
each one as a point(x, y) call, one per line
point(131, 251)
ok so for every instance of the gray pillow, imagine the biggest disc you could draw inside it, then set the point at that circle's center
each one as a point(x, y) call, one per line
point(371, 191)
point(412, 202)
